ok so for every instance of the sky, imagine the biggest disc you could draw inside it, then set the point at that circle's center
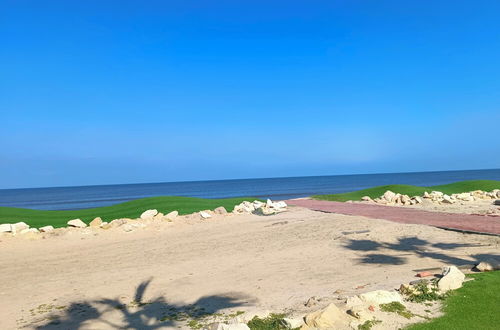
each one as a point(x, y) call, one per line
point(103, 92)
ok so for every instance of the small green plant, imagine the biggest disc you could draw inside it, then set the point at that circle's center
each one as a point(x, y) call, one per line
point(422, 292)
point(194, 324)
point(368, 324)
point(271, 322)
point(398, 308)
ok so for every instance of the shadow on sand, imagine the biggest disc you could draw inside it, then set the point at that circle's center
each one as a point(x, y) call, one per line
point(419, 247)
point(139, 314)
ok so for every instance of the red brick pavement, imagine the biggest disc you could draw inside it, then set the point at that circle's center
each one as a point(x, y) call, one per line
point(455, 221)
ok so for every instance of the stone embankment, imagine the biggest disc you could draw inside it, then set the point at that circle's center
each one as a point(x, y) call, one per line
point(146, 218)
point(436, 197)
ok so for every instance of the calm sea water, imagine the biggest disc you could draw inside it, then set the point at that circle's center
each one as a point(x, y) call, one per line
point(67, 198)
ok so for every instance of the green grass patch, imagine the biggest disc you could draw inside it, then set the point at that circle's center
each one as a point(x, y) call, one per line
point(271, 322)
point(452, 188)
point(131, 209)
point(368, 324)
point(398, 308)
point(474, 306)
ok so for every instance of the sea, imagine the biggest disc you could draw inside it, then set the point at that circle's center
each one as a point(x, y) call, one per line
point(73, 198)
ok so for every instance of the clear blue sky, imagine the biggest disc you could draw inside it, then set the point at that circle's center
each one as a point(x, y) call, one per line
point(96, 92)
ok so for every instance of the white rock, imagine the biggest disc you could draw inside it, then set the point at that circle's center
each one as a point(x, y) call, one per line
point(19, 226)
point(77, 223)
point(437, 194)
point(205, 214)
point(244, 207)
point(380, 297)
point(257, 204)
point(171, 215)
point(5, 228)
point(452, 279)
point(117, 223)
point(220, 210)
point(280, 205)
point(488, 265)
point(366, 199)
point(389, 196)
point(326, 318)
point(447, 199)
point(158, 217)
point(418, 199)
point(148, 214)
point(96, 222)
point(46, 229)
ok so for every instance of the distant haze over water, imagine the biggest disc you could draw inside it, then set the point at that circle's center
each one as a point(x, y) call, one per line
point(66, 198)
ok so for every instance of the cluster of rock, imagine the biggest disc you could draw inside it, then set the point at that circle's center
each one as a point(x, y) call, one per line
point(356, 310)
point(437, 197)
point(392, 198)
point(148, 217)
point(260, 208)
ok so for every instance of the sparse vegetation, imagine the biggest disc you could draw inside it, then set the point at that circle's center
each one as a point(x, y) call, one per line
point(271, 322)
point(368, 324)
point(398, 308)
point(452, 188)
point(423, 291)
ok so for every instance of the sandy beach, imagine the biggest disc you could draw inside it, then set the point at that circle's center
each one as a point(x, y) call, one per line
point(248, 263)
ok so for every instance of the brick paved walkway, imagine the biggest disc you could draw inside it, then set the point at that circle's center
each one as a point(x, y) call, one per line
point(456, 221)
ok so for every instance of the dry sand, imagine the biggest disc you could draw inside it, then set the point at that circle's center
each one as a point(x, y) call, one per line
point(481, 207)
point(237, 263)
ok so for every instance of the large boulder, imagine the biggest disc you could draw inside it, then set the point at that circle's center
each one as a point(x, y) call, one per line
point(171, 216)
point(97, 222)
point(488, 265)
point(466, 197)
point(244, 207)
point(366, 199)
point(77, 223)
point(326, 318)
point(205, 214)
point(405, 199)
point(257, 204)
point(220, 210)
point(389, 196)
point(380, 297)
point(447, 199)
point(148, 214)
point(19, 226)
point(5, 228)
point(418, 200)
point(117, 223)
point(452, 279)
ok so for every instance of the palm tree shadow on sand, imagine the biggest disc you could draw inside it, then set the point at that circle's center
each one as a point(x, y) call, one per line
point(139, 314)
point(443, 252)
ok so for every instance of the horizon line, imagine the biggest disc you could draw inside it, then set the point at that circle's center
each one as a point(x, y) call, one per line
point(241, 179)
